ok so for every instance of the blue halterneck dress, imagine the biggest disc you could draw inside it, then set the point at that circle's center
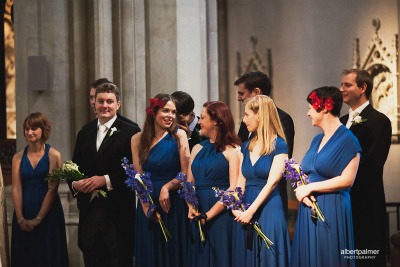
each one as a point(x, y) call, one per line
point(210, 169)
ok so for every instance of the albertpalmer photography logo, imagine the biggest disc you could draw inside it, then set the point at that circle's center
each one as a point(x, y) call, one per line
point(359, 253)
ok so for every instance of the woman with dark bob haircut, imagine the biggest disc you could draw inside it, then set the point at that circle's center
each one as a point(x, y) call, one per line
point(213, 163)
point(331, 164)
point(38, 228)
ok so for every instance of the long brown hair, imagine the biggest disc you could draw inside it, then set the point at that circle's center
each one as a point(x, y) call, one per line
point(221, 114)
point(148, 132)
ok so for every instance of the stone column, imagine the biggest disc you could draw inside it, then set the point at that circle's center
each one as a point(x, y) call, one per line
point(132, 59)
point(197, 50)
point(103, 39)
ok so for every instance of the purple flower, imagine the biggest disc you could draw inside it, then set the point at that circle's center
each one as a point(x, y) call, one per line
point(294, 173)
point(141, 183)
point(233, 199)
point(187, 190)
point(188, 193)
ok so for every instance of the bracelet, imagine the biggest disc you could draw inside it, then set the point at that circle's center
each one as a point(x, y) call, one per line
point(39, 218)
point(21, 220)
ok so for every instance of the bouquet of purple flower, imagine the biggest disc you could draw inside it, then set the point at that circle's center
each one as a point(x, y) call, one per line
point(233, 199)
point(188, 193)
point(296, 176)
point(141, 183)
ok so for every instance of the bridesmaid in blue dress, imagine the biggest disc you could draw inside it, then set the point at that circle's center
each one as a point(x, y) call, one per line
point(213, 163)
point(38, 227)
point(262, 166)
point(163, 151)
point(331, 165)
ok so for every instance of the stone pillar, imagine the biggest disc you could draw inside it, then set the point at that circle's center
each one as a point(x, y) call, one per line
point(197, 50)
point(103, 39)
point(79, 65)
point(132, 59)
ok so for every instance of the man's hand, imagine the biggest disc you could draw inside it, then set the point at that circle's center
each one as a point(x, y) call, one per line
point(90, 185)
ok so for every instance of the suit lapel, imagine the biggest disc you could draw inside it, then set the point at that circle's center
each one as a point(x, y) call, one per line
point(92, 138)
point(108, 139)
point(364, 115)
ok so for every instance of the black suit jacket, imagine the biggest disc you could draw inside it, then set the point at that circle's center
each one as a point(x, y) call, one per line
point(367, 193)
point(119, 204)
point(126, 120)
point(195, 137)
point(288, 128)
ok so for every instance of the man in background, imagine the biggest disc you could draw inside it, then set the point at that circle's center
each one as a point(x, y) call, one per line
point(187, 120)
point(258, 83)
point(373, 130)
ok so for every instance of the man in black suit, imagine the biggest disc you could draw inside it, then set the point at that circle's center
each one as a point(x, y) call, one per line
point(186, 118)
point(373, 130)
point(106, 225)
point(258, 83)
point(92, 99)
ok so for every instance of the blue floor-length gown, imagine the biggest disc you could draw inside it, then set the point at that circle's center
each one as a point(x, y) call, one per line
point(270, 215)
point(46, 245)
point(317, 243)
point(151, 250)
point(210, 169)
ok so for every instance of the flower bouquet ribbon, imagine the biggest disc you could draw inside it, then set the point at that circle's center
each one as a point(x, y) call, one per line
point(233, 199)
point(296, 176)
point(188, 193)
point(142, 185)
point(69, 172)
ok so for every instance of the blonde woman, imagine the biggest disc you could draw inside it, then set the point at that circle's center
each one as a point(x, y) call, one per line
point(262, 163)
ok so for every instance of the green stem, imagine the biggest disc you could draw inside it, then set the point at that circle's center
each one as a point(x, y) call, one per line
point(267, 241)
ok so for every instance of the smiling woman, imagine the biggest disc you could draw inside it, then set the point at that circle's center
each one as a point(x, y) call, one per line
point(162, 150)
point(38, 228)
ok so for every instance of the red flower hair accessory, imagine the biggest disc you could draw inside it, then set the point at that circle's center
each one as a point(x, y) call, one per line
point(318, 103)
point(154, 103)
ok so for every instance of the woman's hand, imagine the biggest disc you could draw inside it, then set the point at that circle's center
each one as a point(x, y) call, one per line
point(236, 213)
point(192, 213)
point(25, 226)
point(164, 199)
point(302, 192)
point(244, 217)
point(33, 223)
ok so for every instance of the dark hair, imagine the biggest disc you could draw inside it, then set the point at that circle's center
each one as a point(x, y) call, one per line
point(184, 102)
point(38, 120)
point(99, 82)
point(255, 79)
point(221, 114)
point(362, 77)
point(148, 132)
point(326, 92)
point(108, 88)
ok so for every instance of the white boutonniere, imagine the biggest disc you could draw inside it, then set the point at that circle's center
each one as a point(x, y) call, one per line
point(112, 131)
point(358, 120)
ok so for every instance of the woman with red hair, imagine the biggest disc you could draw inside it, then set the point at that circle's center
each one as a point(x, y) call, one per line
point(214, 163)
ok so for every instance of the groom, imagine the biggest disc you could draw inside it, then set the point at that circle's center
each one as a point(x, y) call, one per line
point(373, 130)
point(106, 225)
